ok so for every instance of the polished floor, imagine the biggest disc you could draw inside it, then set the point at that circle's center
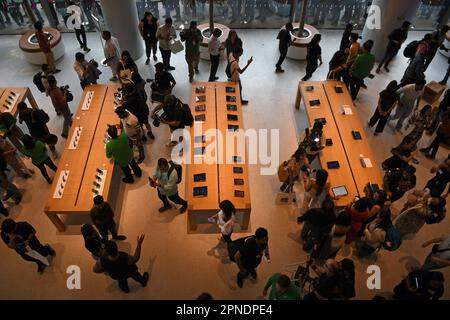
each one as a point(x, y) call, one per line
point(182, 265)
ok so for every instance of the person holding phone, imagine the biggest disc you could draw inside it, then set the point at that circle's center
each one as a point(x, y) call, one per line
point(225, 219)
point(236, 70)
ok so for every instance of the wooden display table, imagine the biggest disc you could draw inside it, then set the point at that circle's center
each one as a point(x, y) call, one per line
point(219, 171)
point(345, 149)
point(9, 101)
point(84, 158)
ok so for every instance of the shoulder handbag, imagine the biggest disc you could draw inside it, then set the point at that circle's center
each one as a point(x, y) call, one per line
point(176, 46)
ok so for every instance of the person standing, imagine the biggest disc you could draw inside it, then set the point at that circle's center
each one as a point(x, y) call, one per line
point(225, 219)
point(118, 148)
point(314, 54)
point(233, 42)
point(36, 122)
point(130, 124)
point(281, 288)
point(361, 68)
point(80, 33)
point(447, 74)
point(92, 241)
point(163, 84)
point(215, 48)
point(120, 265)
point(250, 253)
point(148, 27)
point(409, 96)
point(236, 70)
point(415, 72)
point(8, 152)
point(345, 40)
point(442, 134)
point(358, 212)
point(102, 216)
point(36, 150)
point(439, 182)
point(59, 101)
point(437, 42)
point(9, 128)
point(21, 237)
point(193, 37)
point(86, 71)
point(285, 41)
point(8, 186)
point(337, 66)
point(439, 256)
point(112, 53)
point(386, 103)
point(45, 46)
point(165, 179)
point(354, 49)
point(396, 39)
point(165, 34)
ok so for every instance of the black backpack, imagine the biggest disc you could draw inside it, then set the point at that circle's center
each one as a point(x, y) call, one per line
point(40, 116)
point(228, 68)
point(410, 49)
point(437, 213)
point(188, 119)
point(37, 80)
point(178, 168)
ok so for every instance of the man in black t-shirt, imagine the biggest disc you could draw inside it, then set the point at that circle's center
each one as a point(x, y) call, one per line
point(163, 84)
point(21, 237)
point(285, 41)
point(92, 240)
point(121, 266)
point(396, 38)
point(173, 115)
point(250, 254)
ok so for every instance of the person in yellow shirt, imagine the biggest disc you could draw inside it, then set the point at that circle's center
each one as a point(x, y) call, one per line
point(355, 48)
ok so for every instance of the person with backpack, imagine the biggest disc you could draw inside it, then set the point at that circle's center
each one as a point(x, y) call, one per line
point(396, 39)
point(87, 72)
point(374, 235)
point(36, 121)
point(40, 79)
point(175, 114)
point(225, 219)
point(439, 256)
point(120, 265)
point(285, 41)
point(130, 125)
point(59, 97)
point(248, 252)
point(165, 179)
point(118, 148)
point(439, 182)
point(437, 42)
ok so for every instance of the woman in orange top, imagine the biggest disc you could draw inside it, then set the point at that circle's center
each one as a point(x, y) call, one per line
point(358, 212)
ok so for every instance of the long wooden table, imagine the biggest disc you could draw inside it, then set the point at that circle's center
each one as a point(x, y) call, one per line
point(338, 127)
point(22, 94)
point(220, 178)
point(79, 166)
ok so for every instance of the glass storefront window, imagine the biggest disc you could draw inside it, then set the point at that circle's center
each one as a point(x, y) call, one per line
point(430, 14)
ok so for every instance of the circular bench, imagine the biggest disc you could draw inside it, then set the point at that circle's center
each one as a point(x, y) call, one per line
point(204, 28)
point(30, 48)
point(297, 50)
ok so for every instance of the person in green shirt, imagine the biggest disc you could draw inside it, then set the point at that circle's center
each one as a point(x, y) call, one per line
point(37, 151)
point(281, 288)
point(119, 149)
point(361, 68)
point(193, 37)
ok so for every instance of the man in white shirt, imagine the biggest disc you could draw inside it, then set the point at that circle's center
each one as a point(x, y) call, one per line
point(75, 21)
point(84, 70)
point(130, 124)
point(165, 35)
point(236, 71)
point(215, 48)
point(112, 53)
point(410, 95)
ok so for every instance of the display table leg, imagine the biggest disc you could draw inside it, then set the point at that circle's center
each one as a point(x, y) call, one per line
point(298, 99)
point(245, 220)
point(56, 221)
point(30, 98)
point(192, 221)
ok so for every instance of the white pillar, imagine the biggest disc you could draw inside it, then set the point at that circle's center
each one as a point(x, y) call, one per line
point(385, 16)
point(122, 21)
